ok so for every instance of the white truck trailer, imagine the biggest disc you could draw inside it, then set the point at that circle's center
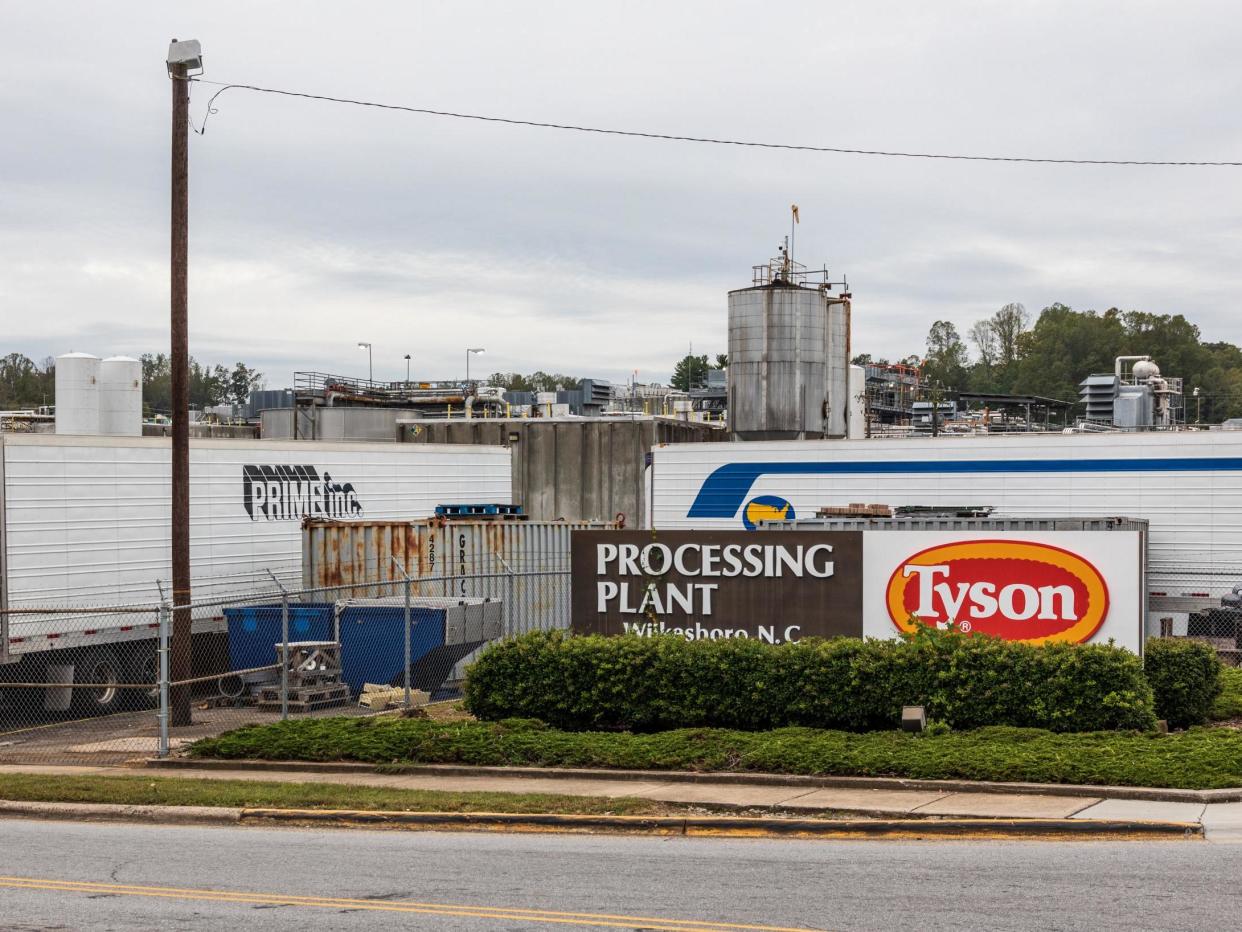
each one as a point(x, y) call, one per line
point(84, 524)
point(1187, 484)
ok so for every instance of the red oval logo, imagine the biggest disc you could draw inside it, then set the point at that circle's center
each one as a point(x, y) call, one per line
point(1016, 590)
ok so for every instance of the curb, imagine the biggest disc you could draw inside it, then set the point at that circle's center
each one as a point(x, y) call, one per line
point(724, 826)
point(1150, 794)
point(701, 826)
point(111, 812)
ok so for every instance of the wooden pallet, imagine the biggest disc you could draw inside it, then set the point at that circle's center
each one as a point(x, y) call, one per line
point(855, 510)
point(305, 698)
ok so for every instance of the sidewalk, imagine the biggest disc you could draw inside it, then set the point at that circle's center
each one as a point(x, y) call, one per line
point(1220, 821)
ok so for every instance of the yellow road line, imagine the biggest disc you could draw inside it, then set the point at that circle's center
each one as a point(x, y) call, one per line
point(440, 909)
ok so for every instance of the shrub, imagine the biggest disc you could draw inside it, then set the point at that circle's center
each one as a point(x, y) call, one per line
point(1228, 704)
point(651, 684)
point(1185, 677)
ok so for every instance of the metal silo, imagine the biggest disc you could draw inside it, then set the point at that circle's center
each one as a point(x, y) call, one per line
point(120, 397)
point(789, 346)
point(77, 394)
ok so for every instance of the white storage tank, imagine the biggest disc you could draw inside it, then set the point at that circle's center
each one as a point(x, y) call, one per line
point(858, 403)
point(788, 362)
point(77, 394)
point(120, 397)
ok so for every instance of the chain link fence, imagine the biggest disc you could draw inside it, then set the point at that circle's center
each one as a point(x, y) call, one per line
point(103, 684)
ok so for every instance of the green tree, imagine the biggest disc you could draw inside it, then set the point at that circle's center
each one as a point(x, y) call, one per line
point(241, 382)
point(946, 359)
point(510, 381)
point(1064, 347)
point(156, 382)
point(1007, 326)
point(535, 382)
point(25, 384)
point(866, 359)
point(722, 361)
point(209, 385)
point(690, 368)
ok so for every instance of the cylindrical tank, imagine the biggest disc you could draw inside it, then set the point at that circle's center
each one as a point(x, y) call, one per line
point(120, 397)
point(857, 427)
point(77, 394)
point(788, 363)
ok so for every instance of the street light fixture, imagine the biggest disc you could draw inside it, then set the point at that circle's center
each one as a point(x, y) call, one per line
point(187, 55)
point(407, 367)
point(478, 349)
point(370, 367)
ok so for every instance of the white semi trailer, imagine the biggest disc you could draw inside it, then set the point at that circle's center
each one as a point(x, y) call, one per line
point(84, 526)
point(1187, 484)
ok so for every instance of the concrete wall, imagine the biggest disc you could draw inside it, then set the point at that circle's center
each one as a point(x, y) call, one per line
point(334, 424)
point(575, 470)
point(200, 431)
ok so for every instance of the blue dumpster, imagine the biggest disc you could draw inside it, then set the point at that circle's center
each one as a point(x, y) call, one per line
point(373, 641)
point(254, 630)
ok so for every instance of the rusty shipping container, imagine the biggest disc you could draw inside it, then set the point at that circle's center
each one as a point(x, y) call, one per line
point(523, 563)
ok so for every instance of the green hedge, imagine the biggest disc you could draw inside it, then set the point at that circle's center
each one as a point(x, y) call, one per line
point(1228, 705)
point(1201, 758)
point(650, 684)
point(1185, 677)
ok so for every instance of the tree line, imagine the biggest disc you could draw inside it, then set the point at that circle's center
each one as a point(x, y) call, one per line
point(1007, 353)
point(535, 382)
point(27, 384)
point(209, 385)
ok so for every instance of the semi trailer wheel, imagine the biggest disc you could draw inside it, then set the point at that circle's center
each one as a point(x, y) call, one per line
point(96, 678)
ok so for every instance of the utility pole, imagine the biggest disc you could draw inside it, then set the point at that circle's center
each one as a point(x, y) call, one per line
point(182, 58)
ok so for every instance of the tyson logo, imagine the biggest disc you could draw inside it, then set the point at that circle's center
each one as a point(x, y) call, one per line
point(1016, 590)
point(766, 508)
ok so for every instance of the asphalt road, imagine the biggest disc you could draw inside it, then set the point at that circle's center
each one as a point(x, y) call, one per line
point(59, 876)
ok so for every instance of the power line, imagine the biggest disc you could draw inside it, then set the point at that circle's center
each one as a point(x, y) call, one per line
point(669, 137)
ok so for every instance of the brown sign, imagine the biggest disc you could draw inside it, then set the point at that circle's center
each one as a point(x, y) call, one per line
point(775, 586)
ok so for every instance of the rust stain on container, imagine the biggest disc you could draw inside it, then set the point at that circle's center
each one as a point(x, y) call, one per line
point(524, 563)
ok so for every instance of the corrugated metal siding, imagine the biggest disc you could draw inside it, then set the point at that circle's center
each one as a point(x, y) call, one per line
point(525, 563)
point(1195, 516)
point(86, 518)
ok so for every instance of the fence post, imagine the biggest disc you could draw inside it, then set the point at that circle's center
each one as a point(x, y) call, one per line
point(284, 647)
point(162, 653)
point(405, 669)
point(508, 598)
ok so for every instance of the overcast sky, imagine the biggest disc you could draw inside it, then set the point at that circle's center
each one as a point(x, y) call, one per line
point(315, 226)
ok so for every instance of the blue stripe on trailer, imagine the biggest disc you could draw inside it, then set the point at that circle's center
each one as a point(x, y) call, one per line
point(724, 491)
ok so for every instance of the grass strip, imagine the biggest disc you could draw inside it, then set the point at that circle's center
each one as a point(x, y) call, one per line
point(1201, 758)
point(178, 791)
point(1228, 704)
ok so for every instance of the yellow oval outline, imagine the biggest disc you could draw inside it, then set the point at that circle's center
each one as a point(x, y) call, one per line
point(1079, 567)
